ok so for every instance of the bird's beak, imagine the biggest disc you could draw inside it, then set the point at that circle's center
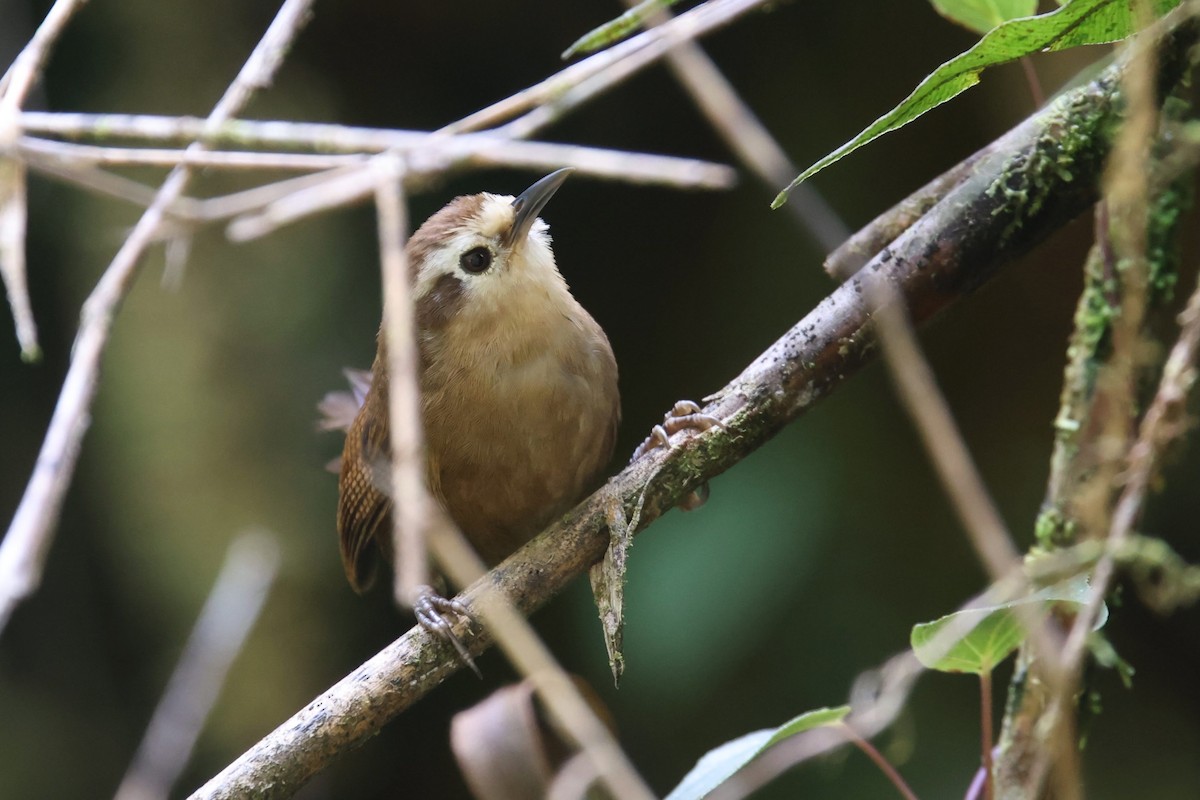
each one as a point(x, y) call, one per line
point(527, 207)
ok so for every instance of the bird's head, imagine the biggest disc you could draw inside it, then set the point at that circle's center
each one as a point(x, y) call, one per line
point(486, 257)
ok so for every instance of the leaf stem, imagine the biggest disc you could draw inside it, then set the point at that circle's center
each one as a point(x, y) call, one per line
point(890, 771)
point(1035, 83)
point(986, 724)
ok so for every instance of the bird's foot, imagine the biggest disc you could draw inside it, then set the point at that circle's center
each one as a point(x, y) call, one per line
point(683, 415)
point(431, 610)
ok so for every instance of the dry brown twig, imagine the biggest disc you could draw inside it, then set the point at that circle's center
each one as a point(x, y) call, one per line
point(747, 137)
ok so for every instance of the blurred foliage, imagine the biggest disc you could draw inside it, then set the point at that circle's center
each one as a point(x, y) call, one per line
point(811, 561)
point(993, 631)
point(719, 764)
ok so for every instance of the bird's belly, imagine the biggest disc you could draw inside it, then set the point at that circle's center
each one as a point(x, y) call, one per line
point(506, 463)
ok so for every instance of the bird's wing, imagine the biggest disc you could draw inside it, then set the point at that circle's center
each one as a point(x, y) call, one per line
point(363, 510)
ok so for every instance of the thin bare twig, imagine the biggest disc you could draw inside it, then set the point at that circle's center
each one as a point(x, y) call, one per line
point(103, 182)
point(259, 197)
point(608, 67)
point(410, 500)
point(18, 80)
point(658, 42)
point(14, 214)
point(233, 605)
point(26, 545)
point(27, 67)
point(934, 422)
point(430, 152)
point(1161, 424)
point(749, 139)
point(348, 186)
point(92, 155)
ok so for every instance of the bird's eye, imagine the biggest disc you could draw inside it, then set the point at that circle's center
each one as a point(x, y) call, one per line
point(476, 260)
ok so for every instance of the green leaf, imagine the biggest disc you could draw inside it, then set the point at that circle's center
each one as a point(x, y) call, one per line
point(1077, 23)
point(983, 15)
point(616, 30)
point(991, 633)
point(719, 764)
point(817, 718)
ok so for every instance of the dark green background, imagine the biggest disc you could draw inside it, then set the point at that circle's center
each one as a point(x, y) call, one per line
point(809, 564)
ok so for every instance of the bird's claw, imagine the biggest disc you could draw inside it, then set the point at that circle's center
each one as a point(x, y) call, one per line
point(431, 610)
point(683, 415)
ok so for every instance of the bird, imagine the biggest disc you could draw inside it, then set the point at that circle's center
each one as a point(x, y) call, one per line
point(519, 388)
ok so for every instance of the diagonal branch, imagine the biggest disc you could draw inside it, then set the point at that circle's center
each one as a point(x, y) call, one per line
point(1016, 194)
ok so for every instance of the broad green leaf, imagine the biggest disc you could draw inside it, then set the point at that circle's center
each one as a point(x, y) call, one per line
point(717, 765)
point(994, 631)
point(983, 15)
point(1076, 23)
point(806, 722)
point(617, 29)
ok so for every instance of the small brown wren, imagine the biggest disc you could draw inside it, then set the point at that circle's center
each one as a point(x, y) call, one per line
point(518, 385)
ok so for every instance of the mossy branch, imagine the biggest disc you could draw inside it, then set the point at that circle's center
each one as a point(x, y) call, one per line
point(1106, 374)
